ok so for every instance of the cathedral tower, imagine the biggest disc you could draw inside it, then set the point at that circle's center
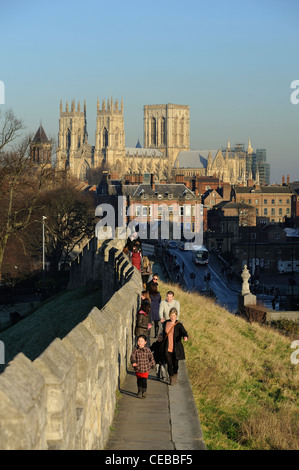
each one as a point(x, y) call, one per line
point(167, 128)
point(73, 150)
point(110, 134)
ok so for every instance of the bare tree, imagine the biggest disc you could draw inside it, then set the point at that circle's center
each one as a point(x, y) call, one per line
point(10, 127)
point(21, 183)
point(70, 220)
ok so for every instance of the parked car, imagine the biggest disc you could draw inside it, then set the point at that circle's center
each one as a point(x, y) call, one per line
point(173, 244)
point(181, 246)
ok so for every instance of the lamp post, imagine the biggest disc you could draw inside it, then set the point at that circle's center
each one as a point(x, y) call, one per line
point(44, 218)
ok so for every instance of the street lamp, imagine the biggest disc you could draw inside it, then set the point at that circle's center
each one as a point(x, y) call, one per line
point(44, 218)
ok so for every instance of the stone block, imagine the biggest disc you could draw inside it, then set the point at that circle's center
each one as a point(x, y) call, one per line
point(22, 407)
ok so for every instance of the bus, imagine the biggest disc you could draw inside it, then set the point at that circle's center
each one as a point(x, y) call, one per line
point(200, 255)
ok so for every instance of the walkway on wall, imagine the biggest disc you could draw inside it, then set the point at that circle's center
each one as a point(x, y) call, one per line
point(166, 419)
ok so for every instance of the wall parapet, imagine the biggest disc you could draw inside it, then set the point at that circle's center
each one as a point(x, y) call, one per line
point(65, 398)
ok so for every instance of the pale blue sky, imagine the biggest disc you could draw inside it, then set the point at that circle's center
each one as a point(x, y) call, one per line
point(232, 62)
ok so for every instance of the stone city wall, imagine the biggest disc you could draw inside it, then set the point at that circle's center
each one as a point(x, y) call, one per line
point(65, 399)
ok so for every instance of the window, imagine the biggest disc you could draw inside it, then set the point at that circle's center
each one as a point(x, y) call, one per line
point(249, 201)
point(265, 212)
point(257, 212)
point(257, 201)
point(280, 211)
point(287, 210)
point(280, 201)
point(188, 211)
point(137, 211)
point(253, 236)
point(272, 211)
point(287, 201)
point(153, 131)
point(265, 201)
point(273, 201)
point(144, 211)
point(277, 236)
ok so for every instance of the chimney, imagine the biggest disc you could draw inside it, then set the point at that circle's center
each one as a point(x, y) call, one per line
point(288, 179)
point(153, 185)
point(283, 179)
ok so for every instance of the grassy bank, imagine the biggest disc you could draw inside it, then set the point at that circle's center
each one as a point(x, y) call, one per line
point(244, 384)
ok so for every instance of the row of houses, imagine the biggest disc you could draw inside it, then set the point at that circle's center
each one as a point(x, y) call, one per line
point(247, 224)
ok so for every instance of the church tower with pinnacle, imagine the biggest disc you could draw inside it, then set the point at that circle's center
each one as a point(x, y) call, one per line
point(110, 134)
point(74, 153)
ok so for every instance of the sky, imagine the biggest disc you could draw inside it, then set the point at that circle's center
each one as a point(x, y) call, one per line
point(232, 62)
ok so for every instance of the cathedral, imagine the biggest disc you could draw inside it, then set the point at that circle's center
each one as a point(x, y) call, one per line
point(166, 133)
point(166, 150)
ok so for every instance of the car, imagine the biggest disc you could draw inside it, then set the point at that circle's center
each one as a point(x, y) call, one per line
point(181, 246)
point(173, 244)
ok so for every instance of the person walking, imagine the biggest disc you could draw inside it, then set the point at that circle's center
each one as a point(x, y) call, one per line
point(155, 297)
point(153, 281)
point(146, 271)
point(156, 349)
point(173, 349)
point(136, 258)
point(166, 305)
point(142, 360)
point(144, 321)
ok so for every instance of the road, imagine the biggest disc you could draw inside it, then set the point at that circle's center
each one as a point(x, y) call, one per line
point(226, 293)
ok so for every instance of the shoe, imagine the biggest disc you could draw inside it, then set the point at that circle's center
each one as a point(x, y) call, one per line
point(144, 394)
point(139, 394)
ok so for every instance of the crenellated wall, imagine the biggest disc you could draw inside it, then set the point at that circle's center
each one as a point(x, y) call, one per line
point(65, 399)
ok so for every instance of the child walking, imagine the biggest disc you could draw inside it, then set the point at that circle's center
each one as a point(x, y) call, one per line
point(142, 360)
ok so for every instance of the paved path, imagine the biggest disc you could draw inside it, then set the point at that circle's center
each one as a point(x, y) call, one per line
point(166, 419)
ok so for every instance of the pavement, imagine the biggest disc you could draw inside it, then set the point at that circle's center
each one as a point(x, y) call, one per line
point(166, 419)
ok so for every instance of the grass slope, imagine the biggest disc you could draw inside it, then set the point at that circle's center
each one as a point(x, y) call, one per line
point(244, 384)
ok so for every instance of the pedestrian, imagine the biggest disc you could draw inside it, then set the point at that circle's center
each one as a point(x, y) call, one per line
point(143, 321)
point(153, 281)
point(142, 360)
point(155, 297)
point(145, 297)
point(133, 239)
point(156, 349)
point(135, 257)
point(146, 271)
point(173, 349)
point(166, 305)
